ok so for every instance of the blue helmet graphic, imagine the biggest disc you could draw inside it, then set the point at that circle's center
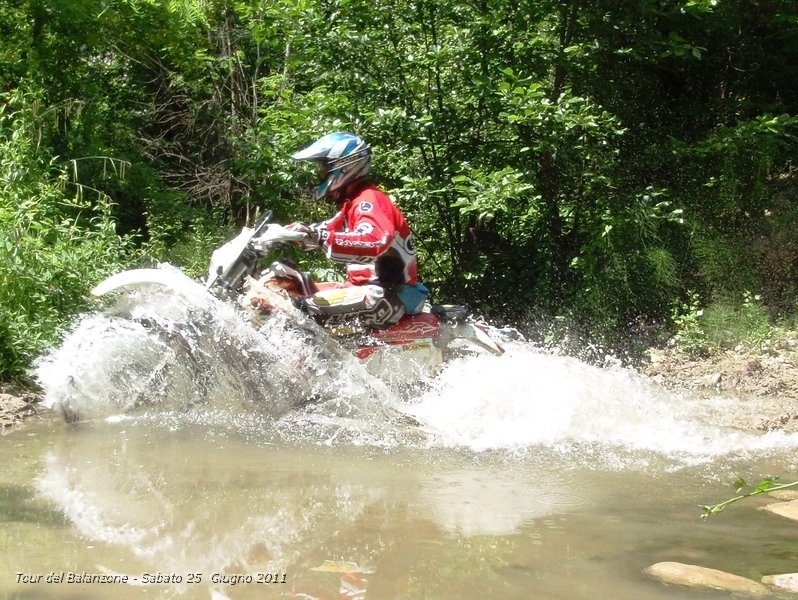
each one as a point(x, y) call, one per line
point(343, 158)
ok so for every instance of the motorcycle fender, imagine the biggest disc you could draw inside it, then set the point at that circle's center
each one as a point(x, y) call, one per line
point(475, 334)
point(169, 277)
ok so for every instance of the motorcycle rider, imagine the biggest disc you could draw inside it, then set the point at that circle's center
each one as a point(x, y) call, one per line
point(368, 233)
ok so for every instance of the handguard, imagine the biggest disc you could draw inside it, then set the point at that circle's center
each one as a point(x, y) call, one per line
point(275, 234)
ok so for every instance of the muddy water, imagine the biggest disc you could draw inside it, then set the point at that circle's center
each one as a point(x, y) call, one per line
point(214, 461)
point(193, 512)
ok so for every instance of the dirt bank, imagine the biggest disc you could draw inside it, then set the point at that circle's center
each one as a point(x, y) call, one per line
point(16, 405)
point(764, 381)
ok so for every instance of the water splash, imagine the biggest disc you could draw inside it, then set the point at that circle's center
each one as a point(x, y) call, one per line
point(531, 398)
point(157, 350)
point(184, 358)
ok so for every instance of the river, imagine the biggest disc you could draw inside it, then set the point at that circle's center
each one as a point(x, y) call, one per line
point(529, 475)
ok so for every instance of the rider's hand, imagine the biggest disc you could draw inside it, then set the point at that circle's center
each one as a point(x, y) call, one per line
point(311, 232)
point(299, 227)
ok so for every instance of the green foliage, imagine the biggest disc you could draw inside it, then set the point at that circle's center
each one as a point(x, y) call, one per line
point(722, 325)
point(689, 336)
point(766, 486)
point(190, 248)
point(53, 245)
point(597, 161)
point(498, 197)
point(747, 322)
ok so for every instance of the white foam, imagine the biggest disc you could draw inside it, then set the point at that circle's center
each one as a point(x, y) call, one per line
point(530, 398)
point(168, 352)
point(156, 349)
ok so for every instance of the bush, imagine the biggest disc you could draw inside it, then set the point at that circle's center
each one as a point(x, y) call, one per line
point(53, 246)
point(722, 325)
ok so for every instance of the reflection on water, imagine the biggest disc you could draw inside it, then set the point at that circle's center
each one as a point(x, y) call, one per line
point(157, 502)
point(219, 462)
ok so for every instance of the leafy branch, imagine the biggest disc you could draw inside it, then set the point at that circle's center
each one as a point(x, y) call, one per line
point(767, 485)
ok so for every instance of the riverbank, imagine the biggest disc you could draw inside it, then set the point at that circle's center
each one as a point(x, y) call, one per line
point(763, 381)
point(16, 405)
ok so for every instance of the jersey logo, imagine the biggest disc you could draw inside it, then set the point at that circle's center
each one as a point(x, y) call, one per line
point(365, 207)
point(364, 228)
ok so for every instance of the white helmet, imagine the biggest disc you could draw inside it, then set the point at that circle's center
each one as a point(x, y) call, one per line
point(343, 158)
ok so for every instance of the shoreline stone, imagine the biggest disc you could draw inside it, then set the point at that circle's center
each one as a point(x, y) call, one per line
point(783, 581)
point(694, 576)
point(788, 510)
point(785, 495)
point(760, 386)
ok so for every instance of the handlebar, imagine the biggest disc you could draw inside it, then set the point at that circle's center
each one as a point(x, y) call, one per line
point(238, 258)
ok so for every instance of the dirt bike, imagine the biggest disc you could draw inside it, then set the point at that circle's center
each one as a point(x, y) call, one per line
point(415, 345)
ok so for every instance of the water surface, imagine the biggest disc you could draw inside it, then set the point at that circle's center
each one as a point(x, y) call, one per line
point(529, 475)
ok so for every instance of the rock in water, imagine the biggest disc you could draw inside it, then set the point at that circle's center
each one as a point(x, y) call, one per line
point(701, 577)
point(784, 581)
point(788, 510)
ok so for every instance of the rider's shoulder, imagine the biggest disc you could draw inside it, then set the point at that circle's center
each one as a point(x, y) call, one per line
point(368, 198)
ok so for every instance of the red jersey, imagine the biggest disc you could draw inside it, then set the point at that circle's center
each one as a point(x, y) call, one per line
point(367, 226)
